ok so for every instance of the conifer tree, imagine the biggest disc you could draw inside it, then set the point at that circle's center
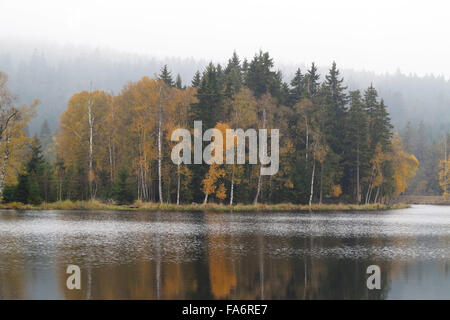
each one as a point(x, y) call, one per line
point(123, 192)
point(259, 76)
point(209, 95)
point(233, 76)
point(334, 109)
point(196, 80)
point(298, 90)
point(312, 81)
point(356, 149)
point(179, 83)
point(166, 76)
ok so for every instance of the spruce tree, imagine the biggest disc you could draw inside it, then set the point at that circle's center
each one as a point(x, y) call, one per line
point(31, 187)
point(123, 191)
point(335, 109)
point(312, 81)
point(166, 76)
point(208, 109)
point(178, 82)
point(356, 148)
point(233, 76)
point(259, 76)
point(22, 191)
point(337, 90)
point(233, 63)
point(46, 139)
point(297, 91)
point(209, 95)
point(196, 80)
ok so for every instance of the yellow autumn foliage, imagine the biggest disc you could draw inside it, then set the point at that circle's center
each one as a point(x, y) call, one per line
point(405, 165)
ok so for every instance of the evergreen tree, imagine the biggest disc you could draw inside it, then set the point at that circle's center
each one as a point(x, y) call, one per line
point(179, 83)
point(9, 194)
point(371, 106)
point(33, 186)
point(123, 191)
point(233, 76)
point(166, 76)
point(357, 156)
point(233, 63)
point(381, 127)
point(45, 129)
point(408, 138)
point(209, 95)
point(208, 109)
point(337, 90)
point(196, 80)
point(335, 109)
point(46, 139)
point(36, 163)
point(298, 90)
point(22, 191)
point(220, 75)
point(279, 89)
point(259, 77)
point(312, 81)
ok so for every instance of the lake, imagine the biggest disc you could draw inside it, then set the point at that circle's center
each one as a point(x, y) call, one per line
point(201, 255)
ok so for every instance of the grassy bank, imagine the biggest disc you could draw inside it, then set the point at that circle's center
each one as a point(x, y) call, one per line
point(150, 206)
point(435, 200)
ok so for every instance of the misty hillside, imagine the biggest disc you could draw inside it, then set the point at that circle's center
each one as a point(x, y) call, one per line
point(54, 74)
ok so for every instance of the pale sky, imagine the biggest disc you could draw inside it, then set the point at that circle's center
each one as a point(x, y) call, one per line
point(378, 35)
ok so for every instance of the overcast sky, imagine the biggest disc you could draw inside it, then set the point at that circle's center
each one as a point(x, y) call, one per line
point(378, 35)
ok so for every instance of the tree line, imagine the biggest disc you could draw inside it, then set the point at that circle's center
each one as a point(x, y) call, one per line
point(335, 144)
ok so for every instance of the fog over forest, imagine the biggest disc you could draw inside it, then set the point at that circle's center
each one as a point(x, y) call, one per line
point(54, 73)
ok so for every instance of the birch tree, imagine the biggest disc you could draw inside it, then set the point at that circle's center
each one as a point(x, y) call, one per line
point(13, 122)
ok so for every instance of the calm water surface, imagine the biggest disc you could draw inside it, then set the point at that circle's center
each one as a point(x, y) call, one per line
point(139, 255)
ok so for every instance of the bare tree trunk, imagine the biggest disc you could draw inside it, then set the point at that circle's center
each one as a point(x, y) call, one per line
point(307, 141)
point(312, 180)
point(205, 201)
point(111, 144)
point(5, 164)
point(178, 185)
point(168, 188)
point(369, 190)
point(321, 183)
point(60, 188)
point(258, 189)
point(110, 161)
point(376, 195)
point(358, 187)
point(159, 148)
point(445, 161)
point(232, 186)
point(91, 119)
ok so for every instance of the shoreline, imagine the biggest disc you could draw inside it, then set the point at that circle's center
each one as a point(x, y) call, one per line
point(430, 200)
point(153, 207)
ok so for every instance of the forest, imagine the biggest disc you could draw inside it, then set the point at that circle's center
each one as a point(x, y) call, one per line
point(336, 145)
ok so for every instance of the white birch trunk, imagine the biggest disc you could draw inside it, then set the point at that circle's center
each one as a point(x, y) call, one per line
point(258, 189)
point(5, 164)
point(178, 186)
point(312, 180)
point(159, 149)
point(91, 119)
point(358, 188)
point(232, 187)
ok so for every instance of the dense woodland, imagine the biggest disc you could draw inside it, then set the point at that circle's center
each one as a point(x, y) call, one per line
point(336, 145)
point(53, 73)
